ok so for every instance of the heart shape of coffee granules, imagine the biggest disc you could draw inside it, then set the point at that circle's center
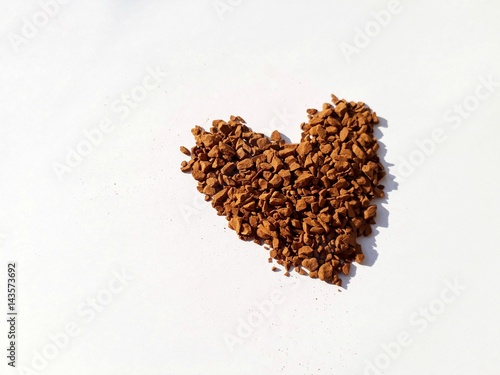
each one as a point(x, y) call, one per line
point(309, 201)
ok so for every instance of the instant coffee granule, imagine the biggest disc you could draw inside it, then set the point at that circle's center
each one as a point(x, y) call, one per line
point(308, 202)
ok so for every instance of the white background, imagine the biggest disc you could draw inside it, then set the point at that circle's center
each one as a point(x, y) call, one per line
point(126, 207)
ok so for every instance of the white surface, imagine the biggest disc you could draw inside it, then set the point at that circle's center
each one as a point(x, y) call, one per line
point(124, 206)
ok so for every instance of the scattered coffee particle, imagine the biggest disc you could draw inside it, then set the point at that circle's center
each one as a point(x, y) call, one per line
point(276, 136)
point(307, 202)
point(325, 272)
point(185, 151)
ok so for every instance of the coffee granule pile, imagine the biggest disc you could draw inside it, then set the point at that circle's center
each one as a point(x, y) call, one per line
point(308, 202)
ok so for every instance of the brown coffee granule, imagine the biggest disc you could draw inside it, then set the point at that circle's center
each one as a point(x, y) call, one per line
point(185, 151)
point(307, 202)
